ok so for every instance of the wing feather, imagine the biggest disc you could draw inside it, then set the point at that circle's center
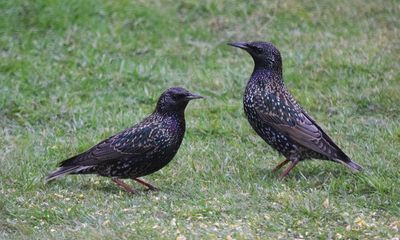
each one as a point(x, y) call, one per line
point(295, 123)
point(134, 142)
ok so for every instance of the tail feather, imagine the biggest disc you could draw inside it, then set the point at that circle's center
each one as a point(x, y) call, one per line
point(352, 165)
point(65, 170)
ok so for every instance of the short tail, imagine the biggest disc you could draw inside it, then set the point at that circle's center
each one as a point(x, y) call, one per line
point(352, 165)
point(66, 170)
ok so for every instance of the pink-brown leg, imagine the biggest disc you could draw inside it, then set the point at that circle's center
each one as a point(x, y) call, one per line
point(149, 185)
point(288, 169)
point(280, 165)
point(124, 186)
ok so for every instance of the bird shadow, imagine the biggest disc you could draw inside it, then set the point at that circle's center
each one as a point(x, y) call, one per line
point(81, 184)
point(111, 188)
point(311, 173)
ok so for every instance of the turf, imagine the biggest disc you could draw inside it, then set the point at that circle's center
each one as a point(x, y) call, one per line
point(74, 72)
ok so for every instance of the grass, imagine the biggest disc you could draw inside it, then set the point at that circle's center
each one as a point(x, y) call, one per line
point(75, 72)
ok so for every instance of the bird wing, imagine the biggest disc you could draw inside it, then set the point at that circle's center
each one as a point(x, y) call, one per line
point(288, 118)
point(134, 142)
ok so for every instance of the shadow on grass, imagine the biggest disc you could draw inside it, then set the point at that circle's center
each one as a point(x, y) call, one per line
point(110, 187)
point(302, 173)
point(105, 185)
point(334, 178)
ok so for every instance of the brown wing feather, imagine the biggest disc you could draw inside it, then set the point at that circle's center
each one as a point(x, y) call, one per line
point(295, 124)
point(337, 152)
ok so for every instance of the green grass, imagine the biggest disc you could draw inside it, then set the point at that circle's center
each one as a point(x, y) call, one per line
point(74, 72)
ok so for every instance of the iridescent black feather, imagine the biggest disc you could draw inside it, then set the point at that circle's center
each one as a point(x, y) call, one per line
point(278, 118)
point(140, 150)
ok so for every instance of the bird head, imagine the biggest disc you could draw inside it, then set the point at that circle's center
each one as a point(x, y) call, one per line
point(265, 55)
point(175, 99)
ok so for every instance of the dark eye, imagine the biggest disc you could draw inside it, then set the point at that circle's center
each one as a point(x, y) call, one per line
point(178, 96)
point(258, 50)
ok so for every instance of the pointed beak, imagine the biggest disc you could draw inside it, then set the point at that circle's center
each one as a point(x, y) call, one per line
point(242, 45)
point(193, 96)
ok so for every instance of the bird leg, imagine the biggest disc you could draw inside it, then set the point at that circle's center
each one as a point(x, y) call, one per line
point(283, 163)
point(288, 169)
point(149, 185)
point(124, 186)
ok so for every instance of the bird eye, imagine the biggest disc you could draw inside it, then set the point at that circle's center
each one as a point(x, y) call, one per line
point(178, 96)
point(258, 50)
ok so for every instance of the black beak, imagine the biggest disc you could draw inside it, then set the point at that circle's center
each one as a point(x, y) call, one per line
point(242, 45)
point(193, 96)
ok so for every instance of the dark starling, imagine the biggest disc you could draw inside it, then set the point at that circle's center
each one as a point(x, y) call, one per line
point(276, 116)
point(137, 151)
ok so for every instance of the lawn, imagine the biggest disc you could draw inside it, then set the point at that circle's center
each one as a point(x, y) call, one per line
point(75, 72)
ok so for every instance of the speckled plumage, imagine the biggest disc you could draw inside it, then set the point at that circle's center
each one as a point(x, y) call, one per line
point(278, 118)
point(137, 151)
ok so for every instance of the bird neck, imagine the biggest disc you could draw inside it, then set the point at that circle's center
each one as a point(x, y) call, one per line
point(270, 64)
point(167, 112)
point(263, 67)
point(266, 75)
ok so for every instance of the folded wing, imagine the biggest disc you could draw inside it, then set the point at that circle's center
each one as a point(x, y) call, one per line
point(134, 142)
point(283, 115)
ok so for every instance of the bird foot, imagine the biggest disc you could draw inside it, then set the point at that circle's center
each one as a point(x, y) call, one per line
point(150, 187)
point(288, 169)
point(124, 186)
point(280, 165)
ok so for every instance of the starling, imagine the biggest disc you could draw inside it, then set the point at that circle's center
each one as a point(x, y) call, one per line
point(276, 116)
point(137, 151)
